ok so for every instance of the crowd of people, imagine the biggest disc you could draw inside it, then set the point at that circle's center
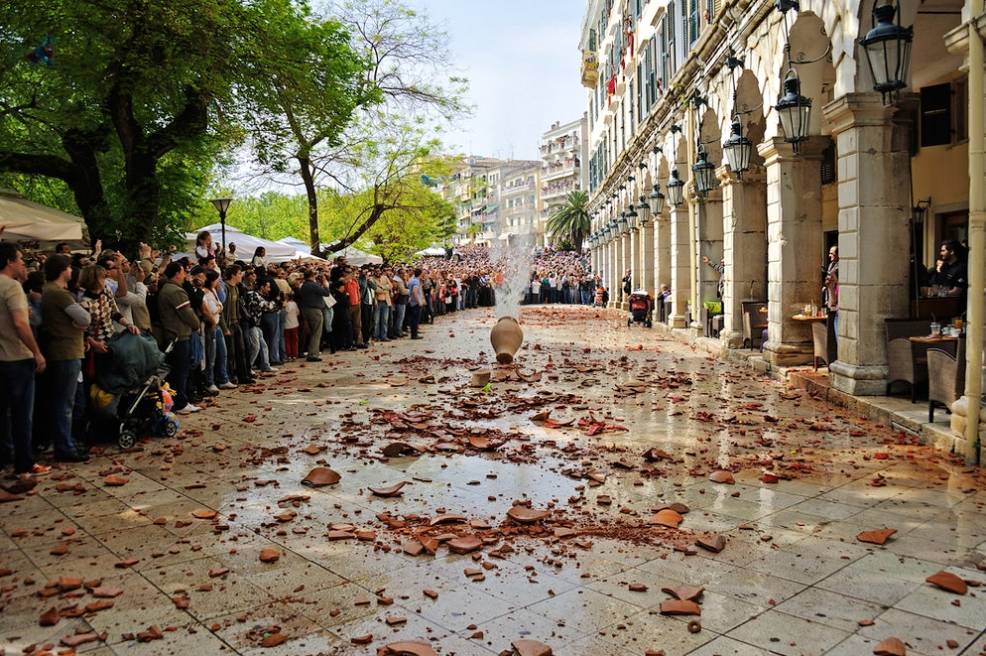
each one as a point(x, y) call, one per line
point(66, 318)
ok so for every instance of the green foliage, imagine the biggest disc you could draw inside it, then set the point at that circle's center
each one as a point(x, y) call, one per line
point(569, 225)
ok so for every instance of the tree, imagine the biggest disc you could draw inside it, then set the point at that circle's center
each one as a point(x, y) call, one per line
point(571, 221)
point(474, 230)
point(300, 95)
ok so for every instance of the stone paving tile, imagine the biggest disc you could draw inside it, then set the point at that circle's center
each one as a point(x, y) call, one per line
point(726, 646)
point(786, 634)
point(831, 609)
point(922, 634)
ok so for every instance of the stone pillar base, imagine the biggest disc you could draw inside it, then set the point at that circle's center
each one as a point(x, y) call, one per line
point(676, 321)
point(731, 339)
point(788, 354)
point(858, 380)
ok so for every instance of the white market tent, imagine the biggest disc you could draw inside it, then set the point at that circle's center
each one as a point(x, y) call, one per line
point(25, 220)
point(432, 251)
point(245, 244)
point(296, 244)
point(355, 256)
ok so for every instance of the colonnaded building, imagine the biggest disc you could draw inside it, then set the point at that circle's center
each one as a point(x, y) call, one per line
point(761, 133)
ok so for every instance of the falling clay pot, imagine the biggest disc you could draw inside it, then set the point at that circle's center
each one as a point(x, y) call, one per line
point(506, 338)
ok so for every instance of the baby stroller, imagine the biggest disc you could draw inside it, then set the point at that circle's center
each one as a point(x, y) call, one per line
point(131, 395)
point(640, 308)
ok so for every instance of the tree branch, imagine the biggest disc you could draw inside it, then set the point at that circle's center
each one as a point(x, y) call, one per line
point(33, 164)
point(191, 121)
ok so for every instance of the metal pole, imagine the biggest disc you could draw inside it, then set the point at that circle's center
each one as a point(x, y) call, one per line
point(222, 222)
point(977, 235)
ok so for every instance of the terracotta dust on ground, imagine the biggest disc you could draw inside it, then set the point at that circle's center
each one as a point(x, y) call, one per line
point(213, 545)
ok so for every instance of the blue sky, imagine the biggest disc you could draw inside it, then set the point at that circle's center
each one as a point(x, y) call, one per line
point(522, 61)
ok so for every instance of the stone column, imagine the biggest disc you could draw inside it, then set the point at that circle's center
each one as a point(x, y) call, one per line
point(744, 242)
point(634, 262)
point(624, 265)
point(647, 263)
point(679, 265)
point(795, 245)
point(874, 210)
point(708, 243)
point(612, 283)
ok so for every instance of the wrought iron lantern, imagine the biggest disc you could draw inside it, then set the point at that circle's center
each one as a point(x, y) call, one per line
point(644, 210)
point(633, 219)
point(676, 189)
point(705, 173)
point(888, 50)
point(738, 149)
point(794, 110)
point(656, 200)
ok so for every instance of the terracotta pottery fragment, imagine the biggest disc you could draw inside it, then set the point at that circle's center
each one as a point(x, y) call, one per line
point(480, 378)
point(878, 536)
point(890, 647)
point(106, 592)
point(465, 544)
point(637, 587)
point(563, 532)
point(407, 648)
point(479, 442)
point(274, 639)
point(680, 607)
point(447, 518)
point(321, 476)
point(77, 639)
point(7, 497)
point(389, 491)
point(269, 555)
point(525, 515)
point(115, 480)
point(530, 648)
point(204, 513)
point(313, 449)
point(397, 449)
point(50, 617)
point(714, 543)
point(362, 640)
point(667, 517)
point(685, 592)
point(948, 581)
point(722, 476)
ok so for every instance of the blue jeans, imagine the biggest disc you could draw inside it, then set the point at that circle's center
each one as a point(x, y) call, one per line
point(220, 371)
point(586, 297)
point(211, 355)
point(257, 347)
point(268, 325)
point(17, 399)
point(63, 380)
point(383, 320)
point(398, 315)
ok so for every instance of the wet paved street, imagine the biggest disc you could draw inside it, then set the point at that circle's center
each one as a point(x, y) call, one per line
point(178, 547)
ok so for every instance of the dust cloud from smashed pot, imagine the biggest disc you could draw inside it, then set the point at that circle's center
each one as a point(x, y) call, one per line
point(506, 338)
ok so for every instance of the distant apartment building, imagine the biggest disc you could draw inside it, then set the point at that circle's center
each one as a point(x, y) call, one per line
point(493, 198)
point(563, 150)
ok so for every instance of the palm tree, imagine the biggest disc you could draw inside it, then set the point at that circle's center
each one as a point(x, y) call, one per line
point(571, 221)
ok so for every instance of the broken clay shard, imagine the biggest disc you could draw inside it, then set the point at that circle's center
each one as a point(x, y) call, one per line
point(714, 543)
point(680, 607)
point(948, 581)
point(890, 647)
point(685, 592)
point(722, 476)
point(879, 536)
point(407, 648)
point(321, 476)
point(465, 544)
point(667, 517)
point(204, 513)
point(397, 449)
point(530, 648)
point(525, 515)
point(388, 491)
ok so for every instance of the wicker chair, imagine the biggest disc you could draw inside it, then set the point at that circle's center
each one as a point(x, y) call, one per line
point(946, 378)
point(905, 361)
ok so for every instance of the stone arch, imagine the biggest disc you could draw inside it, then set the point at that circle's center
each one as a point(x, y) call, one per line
point(710, 135)
point(811, 45)
point(749, 106)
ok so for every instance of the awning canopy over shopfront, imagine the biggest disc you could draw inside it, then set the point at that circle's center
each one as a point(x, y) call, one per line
point(24, 220)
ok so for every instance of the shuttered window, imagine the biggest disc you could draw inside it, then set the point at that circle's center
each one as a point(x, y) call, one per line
point(693, 22)
point(650, 60)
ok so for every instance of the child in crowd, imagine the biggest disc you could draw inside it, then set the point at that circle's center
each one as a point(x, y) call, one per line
point(291, 325)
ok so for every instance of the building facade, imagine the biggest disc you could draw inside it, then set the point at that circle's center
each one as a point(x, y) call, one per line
point(477, 189)
point(563, 151)
point(732, 143)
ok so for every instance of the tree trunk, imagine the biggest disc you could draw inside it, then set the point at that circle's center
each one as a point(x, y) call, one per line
point(375, 215)
point(143, 197)
point(310, 191)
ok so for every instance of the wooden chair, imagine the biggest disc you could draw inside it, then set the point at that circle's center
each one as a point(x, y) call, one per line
point(823, 339)
point(754, 321)
point(946, 378)
point(905, 361)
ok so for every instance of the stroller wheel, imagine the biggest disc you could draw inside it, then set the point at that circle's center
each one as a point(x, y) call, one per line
point(127, 439)
point(170, 428)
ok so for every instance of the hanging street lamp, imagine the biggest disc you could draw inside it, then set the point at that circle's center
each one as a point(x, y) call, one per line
point(644, 210)
point(676, 189)
point(794, 110)
point(704, 172)
point(656, 201)
point(622, 222)
point(888, 51)
point(221, 205)
point(633, 219)
point(738, 149)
